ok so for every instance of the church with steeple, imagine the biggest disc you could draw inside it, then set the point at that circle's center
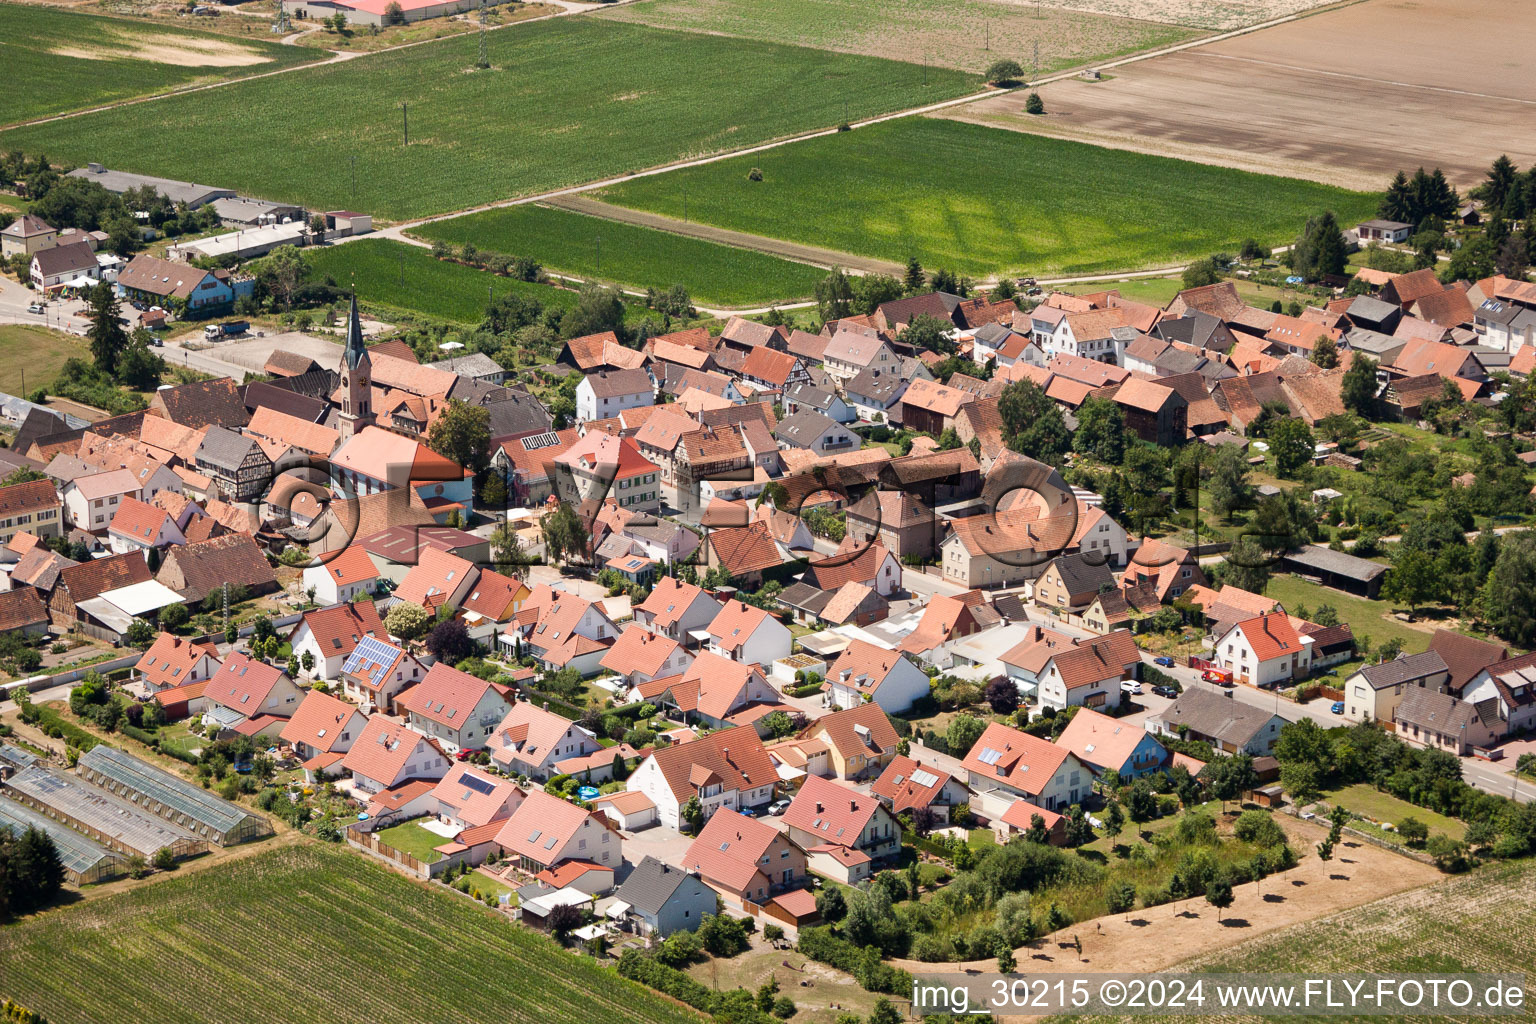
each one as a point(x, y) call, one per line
point(356, 390)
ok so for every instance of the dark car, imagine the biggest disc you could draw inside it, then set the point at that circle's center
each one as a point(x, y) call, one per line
point(1164, 661)
point(1165, 691)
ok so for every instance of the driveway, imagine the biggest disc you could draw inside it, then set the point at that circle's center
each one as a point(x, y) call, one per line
point(60, 314)
point(665, 844)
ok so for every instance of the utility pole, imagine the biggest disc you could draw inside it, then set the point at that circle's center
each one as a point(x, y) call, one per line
point(354, 177)
point(402, 268)
point(599, 254)
point(1034, 76)
point(405, 121)
point(226, 606)
point(685, 204)
point(485, 60)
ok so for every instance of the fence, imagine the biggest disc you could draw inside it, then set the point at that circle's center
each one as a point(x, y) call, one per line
point(1354, 833)
point(360, 836)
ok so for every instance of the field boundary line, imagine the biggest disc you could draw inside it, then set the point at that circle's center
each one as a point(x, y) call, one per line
point(1367, 78)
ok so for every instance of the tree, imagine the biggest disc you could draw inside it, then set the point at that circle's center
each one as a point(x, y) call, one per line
point(108, 339)
point(1508, 597)
point(1319, 252)
point(174, 616)
point(692, 814)
point(1120, 897)
point(564, 533)
point(1414, 578)
point(1032, 422)
point(137, 366)
point(915, 280)
point(140, 634)
point(1473, 261)
point(1300, 779)
point(1100, 430)
point(393, 14)
point(1501, 179)
point(1357, 389)
point(1007, 963)
point(1397, 203)
point(1413, 831)
point(1218, 893)
point(1228, 778)
point(1003, 696)
point(874, 290)
point(450, 642)
point(338, 23)
point(830, 904)
point(598, 309)
point(1201, 273)
point(963, 732)
point(462, 435)
point(307, 661)
point(407, 620)
point(1325, 353)
point(1114, 820)
point(778, 725)
point(1513, 258)
point(1034, 104)
point(1079, 831)
point(929, 332)
point(1291, 442)
point(1005, 72)
point(834, 295)
point(1227, 488)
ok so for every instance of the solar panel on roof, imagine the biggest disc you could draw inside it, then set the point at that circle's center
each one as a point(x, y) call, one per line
point(924, 778)
point(371, 657)
point(479, 785)
point(989, 756)
point(537, 441)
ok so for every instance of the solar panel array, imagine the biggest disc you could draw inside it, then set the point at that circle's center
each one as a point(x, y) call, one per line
point(537, 441)
point(480, 784)
point(371, 657)
point(989, 756)
point(924, 778)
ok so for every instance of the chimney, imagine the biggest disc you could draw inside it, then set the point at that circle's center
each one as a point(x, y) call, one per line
point(546, 705)
point(818, 807)
point(853, 805)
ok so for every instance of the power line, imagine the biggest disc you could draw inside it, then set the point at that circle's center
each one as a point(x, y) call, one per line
point(485, 59)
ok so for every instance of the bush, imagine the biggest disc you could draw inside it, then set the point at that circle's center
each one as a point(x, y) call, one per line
point(1034, 104)
point(755, 174)
point(864, 964)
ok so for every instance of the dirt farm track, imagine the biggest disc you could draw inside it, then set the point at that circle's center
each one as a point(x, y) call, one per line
point(1346, 96)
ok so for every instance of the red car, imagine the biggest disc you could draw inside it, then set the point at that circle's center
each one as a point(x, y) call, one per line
point(1220, 677)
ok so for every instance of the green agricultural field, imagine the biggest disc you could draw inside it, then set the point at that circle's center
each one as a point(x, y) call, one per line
point(979, 200)
point(1476, 923)
point(633, 256)
point(566, 101)
point(964, 34)
point(62, 61)
point(407, 277)
point(304, 933)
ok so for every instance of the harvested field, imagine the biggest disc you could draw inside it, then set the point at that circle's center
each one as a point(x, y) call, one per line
point(1215, 14)
point(964, 34)
point(1305, 99)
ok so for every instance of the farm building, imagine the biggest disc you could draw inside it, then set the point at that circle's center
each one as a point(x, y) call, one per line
point(376, 12)
point(85, 861)
point(100, 816)
point(174, 799)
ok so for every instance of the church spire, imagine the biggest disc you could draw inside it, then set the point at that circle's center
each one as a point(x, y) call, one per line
point(356, 350)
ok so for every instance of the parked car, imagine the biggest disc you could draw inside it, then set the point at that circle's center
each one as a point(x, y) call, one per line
point(1165, 691)
point(747, 812)
point(1164, 661)
point(1130, 686)
point(778, 807)
point(1217, 676)
point(1338, 707)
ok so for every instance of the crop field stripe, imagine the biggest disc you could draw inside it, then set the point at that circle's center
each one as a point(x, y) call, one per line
point(51, 83)
point(633, 256)
point(567, 101)
point(305, 933)
point(980, 200)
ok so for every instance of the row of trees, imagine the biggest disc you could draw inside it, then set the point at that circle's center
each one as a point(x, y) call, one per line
point(30, 871)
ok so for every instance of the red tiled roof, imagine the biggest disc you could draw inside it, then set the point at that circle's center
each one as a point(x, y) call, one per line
point(897, 784)
point(243, 684)
point(541, 826)
point(351, 565)
point(338, 629)
point(1271, 636)
point(834, 813)
point(639, 650)
point(745, 550)
point(447, 696)
point(735, 756)
point(669, 599)
point(383, 749)
point(319, 721)
point(170, 659)
point(1018, 759)
point(729, 847)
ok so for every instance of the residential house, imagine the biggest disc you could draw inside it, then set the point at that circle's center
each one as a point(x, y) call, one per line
point(640, 655)
point(898, 520)
point(251, 697)
point(91, 501)
point(389, 753)
point(864, 673)
point(875, 394)
point(947, 619)
point(22, 611)
point(200, 403)
point(376, 672)
point(1373, 692)
point(907, 787)
point(675, 609)
point(1153, 411)
point(745, 861)
point(32, 507)
point(1264, 651)
point(607, 393)
point(199, 570)
point(171, 662)
point(772, 371)
point(141, 527)
point(593, 353)
point(235, 462)
point(713, 691)
point(861, 740)
point(343, 576)
point(1107, 744)
point(491, 604)
point(78, 583)
point(438, 580)
point(1440, 721)
point(601, 466)
point(72, 265)
point(1513, 683)
point(469, 798)
point(729, 768)
point(375, 460)
point(331, 634)
point(1228, 725)
point(1068, 584)
point(321, 731)
point(844, 833)
point(747, 634)
point(1089, 673)
point(870, 564)
point(1006, 764)
point(814, 432)
point(168, 283)
point(1169, 570)
point(802, 397)
point(26, 235)
point(745, 552)
point(456, 710)
point(663, 899)
point(850, 353)
point(1465, 656)
point(531, 741)
point(562, 631)
point(1387, 232)
point(546, 831)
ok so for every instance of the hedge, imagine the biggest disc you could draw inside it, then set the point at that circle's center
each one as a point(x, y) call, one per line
point(654, 974)
point(864, 964)
point(145, 736)
point(55, 725)
point(809, 690)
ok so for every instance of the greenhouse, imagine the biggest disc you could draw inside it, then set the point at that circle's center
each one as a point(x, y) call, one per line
point(159, 792)
point(100, 815)
point(85, 861)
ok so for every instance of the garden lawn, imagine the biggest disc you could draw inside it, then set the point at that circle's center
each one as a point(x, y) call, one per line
point(1365, 617)
point(411, 838)
point(632, 256)
point(409, 278)
point(35, 353)
point(304, 933)
point(980, 200)
point(1364, 799)
point(62, 61)
point(565, 101)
